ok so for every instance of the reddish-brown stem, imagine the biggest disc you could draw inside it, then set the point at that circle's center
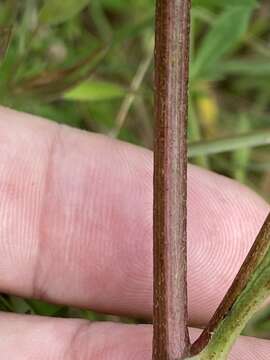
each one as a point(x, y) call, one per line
point(171, 339)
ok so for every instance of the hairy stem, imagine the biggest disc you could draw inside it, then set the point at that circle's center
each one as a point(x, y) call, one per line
point(171, 339)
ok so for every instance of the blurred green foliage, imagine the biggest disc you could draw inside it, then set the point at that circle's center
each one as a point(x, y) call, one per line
point(87, 63)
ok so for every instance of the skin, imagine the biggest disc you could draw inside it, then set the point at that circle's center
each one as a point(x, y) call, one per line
point(76, 229)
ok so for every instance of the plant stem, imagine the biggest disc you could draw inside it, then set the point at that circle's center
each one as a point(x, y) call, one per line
point(171, 339)
point(130, 97)
point(5, 35)
point(249, 290)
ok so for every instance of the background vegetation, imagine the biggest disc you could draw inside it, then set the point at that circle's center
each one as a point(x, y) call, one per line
point(88, 63)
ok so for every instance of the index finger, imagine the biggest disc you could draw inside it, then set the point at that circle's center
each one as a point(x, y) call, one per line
point(76, 221)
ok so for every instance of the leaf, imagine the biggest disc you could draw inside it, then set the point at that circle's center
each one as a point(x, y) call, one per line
point(254, 67)
point(244, 3)
point(5, 34)
point(226, 3)
point(225, 34)
point(52, 84)
point(42, 308)
point(19, 305)
point(95, 91)
point(236, 142)
point(241, 157)
point(55, 12)
point(4, 304)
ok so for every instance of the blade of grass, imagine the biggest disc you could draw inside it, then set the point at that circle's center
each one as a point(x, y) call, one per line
point(195, 135)
point(241, 157)
point(225, 34)
point(254, 139)
point(6, 304)
point(55, 12)
point(100, 20)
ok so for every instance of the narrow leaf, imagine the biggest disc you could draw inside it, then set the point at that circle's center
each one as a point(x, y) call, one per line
point(217, 146)
point(241, 157)
point(225, 34)
point(254, 67)
point(95, 91)
point(223, 4)
point(42, 308)
point(245, 3)
point(58, 11)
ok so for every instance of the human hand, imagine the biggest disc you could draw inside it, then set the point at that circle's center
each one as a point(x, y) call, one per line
point(76, 228)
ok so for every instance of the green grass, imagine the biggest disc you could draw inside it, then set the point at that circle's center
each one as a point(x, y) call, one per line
point(98, 53)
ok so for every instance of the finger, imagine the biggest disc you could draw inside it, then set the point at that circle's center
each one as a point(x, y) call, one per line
point(27, 338)
point(31, 338)
point(76, 221)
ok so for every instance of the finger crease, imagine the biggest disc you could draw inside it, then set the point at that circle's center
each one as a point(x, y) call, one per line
point(38, 285)
point(76, 349)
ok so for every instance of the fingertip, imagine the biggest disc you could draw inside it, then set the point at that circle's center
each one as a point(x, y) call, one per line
point(224, 218)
